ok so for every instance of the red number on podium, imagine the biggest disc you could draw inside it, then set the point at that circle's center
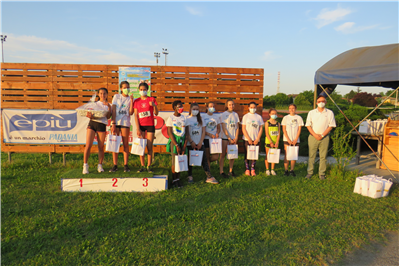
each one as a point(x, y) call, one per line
point(116, 180)
point(81, 182)
point(146, 182)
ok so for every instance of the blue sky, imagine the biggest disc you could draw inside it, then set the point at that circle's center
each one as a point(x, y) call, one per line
point(295, 38)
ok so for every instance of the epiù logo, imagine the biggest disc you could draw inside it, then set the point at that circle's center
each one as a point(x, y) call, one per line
point(43, 122)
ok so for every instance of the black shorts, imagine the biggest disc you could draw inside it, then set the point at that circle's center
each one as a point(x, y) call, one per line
point(206, 143)
point(267, 145)
point(121, 127)
point(96, 126)
point(286, 143)
point(226, 139)
point(149, 129)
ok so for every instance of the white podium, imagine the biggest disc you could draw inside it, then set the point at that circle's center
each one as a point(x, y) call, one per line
point(130, 184)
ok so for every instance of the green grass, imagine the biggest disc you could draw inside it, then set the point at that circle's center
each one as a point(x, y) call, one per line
point(257, 220)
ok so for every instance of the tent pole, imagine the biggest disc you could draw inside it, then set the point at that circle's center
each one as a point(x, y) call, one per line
point(359, 133)
point(315, 96)
point(372, 111)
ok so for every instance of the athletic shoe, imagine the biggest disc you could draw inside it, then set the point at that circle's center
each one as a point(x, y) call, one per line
point(142, 169)
point(212, 180)
point(253, 173)
point(286, 173)
point(322, 177)
point(224, 175)
point(85, 169)
point(100, 168)
point(114, 168)
point(292, 173)
point(267, 172)
point(232, 174)
point(126, 168)
point(273, 173)
point(308, 176)
point(190, 179)
point(247, 172)
point(176, 183)
point(149, 169)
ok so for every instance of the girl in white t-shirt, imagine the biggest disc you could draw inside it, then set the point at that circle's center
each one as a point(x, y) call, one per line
point(212, 130)
point(229, 121)
point(122, 109)
point(97, 125)
point(177, 132)
point(252, 125)
point(195, 141)
point(292, 125)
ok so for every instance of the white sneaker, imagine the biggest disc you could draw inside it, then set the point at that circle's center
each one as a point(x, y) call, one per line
point(100, 168)
point(85, 169)
point(273, 173)
point(267, 172)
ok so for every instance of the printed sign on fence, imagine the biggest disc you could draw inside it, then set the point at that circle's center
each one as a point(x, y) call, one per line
point(135, 75)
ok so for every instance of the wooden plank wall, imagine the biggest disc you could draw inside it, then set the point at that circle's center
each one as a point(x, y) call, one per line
point(68, 86)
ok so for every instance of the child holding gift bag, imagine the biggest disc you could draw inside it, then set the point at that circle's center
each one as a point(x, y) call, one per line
point(229, 121)
point(212, 131)
point(177, 144)
point(195, 142)
point(292, 124)
point(144, 109)
point(252, 125)
point(122, 109)
point(272, 130)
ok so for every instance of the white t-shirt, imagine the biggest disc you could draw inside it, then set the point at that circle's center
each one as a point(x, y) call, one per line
point(211, 124)
point(319, 122)
point(292, 124)
point(178, 124)
point(194, 129)
point(231, 120)
point(103, 120)
point(122, 110)
point(253, 123)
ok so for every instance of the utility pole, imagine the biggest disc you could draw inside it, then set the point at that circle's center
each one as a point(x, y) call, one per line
point(157, 55)
point(165, 52)
point(3, 39)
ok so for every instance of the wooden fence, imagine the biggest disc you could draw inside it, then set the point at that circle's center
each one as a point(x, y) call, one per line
point(68, 86)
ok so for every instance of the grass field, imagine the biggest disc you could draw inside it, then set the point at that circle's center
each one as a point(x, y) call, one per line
point(242, 221)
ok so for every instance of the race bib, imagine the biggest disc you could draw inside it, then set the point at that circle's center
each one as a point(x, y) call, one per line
point(144, 114)
point(274, 133)
point(195, 132)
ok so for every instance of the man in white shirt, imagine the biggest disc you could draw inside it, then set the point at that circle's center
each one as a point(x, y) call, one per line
point(319, 122)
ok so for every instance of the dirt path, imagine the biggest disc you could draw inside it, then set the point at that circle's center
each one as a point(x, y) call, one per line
point(375, 254)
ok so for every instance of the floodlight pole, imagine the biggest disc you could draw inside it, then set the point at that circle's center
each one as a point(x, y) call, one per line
point(157, 55)
point(3, 39)
point(165, 52)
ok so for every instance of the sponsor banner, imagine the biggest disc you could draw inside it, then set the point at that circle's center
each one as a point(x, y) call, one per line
point(44, 127)
point(135, 75)
point(64, 127)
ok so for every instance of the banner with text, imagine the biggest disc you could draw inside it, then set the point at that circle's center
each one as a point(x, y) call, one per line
point(135, 76)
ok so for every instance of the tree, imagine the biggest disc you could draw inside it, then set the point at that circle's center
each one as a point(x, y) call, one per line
point(301, 100)
point(268, 102)
point(364, 99)
point(282, 99)
point(350, 95)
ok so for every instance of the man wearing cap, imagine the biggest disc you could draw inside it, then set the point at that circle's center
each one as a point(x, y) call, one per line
point(319, 122)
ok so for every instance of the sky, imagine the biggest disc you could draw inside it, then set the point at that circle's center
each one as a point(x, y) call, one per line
point(293, 38)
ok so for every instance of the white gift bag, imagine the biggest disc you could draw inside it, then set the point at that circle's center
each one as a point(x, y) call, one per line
point(358, 185)
point(232, 151)
point(138, 146)
point(365, 186)
point(292, 153)
point(215, 146)
point(273, 156)
point(195, 158)
point(252, 152)
point(386, 186)
point(375, 189)
point(113, 143)
point(181, 164)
